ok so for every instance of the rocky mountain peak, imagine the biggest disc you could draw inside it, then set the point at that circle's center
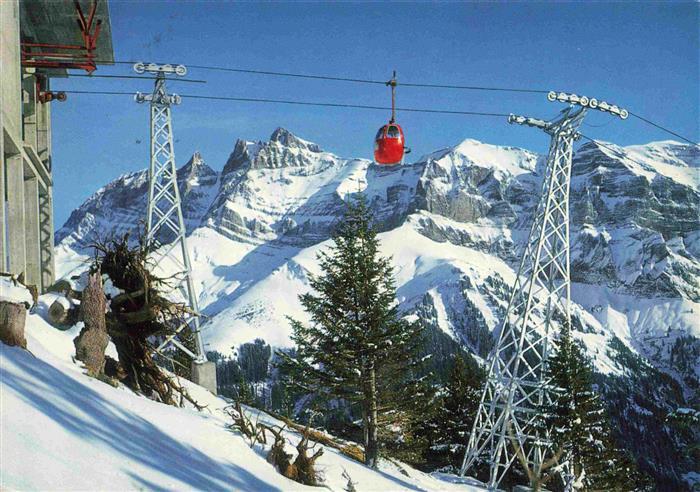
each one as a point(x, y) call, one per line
point(282, 150)
point(288, 139)
point(196, 168)
point(243, 153)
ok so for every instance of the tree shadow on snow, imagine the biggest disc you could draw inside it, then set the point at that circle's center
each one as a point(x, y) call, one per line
point(83, 412)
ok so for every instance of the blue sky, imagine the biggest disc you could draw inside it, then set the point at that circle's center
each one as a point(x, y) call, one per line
point(642, 56)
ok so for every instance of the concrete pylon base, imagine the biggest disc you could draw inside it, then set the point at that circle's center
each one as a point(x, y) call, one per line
point(204, 374)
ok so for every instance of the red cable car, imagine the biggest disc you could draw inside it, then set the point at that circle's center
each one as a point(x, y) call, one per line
point(390, 144)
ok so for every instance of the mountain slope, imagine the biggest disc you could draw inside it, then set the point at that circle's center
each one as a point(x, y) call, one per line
point(257, 225)
point(455, 223)
point(63, 430)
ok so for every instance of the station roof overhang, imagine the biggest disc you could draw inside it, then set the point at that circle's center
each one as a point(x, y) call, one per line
point(61, 35)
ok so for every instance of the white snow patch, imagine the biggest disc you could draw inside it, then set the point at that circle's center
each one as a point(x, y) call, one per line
point(15, 293)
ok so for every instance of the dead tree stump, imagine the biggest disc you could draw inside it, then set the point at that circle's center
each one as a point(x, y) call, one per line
point(92, 342)
point(12, 320)
point(305, 465)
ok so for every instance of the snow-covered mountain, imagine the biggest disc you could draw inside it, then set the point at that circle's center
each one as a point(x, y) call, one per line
point(454, 222)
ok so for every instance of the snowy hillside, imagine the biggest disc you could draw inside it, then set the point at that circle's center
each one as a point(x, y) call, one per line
point(64, 430)
point(258, 224)
point(455, 223)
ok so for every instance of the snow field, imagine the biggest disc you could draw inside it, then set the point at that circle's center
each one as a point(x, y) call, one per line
point(63, 430)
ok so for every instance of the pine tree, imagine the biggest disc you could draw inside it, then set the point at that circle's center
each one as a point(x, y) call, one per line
point(578, 425)
point(254, 360)
point(449, 427)
point(357, 347)
point(244, 392)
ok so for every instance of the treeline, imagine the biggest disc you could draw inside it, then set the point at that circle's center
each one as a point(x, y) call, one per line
point(254, 375)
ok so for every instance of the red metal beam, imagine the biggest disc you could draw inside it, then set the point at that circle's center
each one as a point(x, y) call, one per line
point(70, 56)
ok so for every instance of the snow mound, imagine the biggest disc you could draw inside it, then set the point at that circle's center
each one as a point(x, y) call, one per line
point(16, 293)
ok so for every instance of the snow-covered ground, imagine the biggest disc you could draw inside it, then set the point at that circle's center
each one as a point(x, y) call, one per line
point(63, 430)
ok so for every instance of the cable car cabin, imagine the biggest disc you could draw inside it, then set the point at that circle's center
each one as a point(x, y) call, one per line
point(389, 145)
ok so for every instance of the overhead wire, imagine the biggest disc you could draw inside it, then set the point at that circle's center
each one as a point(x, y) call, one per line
point(102, 93)
point(383, 82)
point(472, 88)
point(353, 80)
point(289, 74)
point(662, 128)
point(365, 81)
point(613, 150)
point(100, 76)
point(598, 126)
point(304, 103)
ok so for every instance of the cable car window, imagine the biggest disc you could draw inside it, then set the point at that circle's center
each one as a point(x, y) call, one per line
point(380, 133)
point(393, 132)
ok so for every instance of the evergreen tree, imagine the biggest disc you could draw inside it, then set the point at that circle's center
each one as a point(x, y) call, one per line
point(578, 424)
point(244, 393)
point(283, 393)
point(254, 360)
point(451, 423)
point(357, 347)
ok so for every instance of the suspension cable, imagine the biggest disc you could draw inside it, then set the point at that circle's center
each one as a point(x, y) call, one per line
point(94, 76)
point(302, 103)
point(354, 80)
point(663, 128)
point(474, 88)
point(289, 74)
point(613, 150)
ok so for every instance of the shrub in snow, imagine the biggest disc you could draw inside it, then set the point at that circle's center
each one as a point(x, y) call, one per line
point(303, 469)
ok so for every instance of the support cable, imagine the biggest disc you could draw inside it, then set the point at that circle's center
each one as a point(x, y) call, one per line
point(353, 80)
point(93, 76)
point(303, 103)
point(289, 74)
point(614, 151)
point(474, 88)
point(671, 132)
point(366, 81)
point(341, 105)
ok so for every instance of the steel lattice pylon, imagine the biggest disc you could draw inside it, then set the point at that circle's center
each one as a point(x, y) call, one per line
point(539, 304)
point(165, 226)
